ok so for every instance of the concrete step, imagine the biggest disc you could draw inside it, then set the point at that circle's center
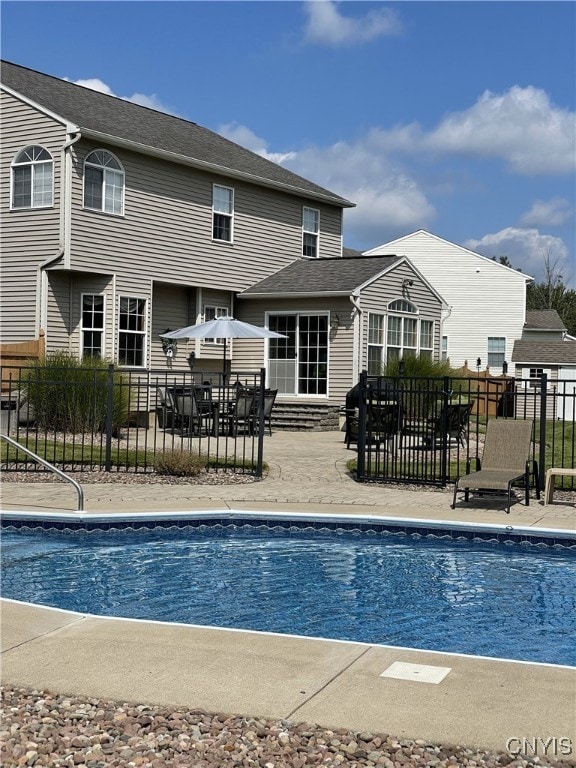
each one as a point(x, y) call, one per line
point(305, 417)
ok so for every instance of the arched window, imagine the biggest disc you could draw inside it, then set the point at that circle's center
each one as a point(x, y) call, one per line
point(103, 183)
point(32, 173)
point(401, 305)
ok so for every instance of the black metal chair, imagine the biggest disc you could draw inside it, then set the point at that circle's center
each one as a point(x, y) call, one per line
point(383, 424)
point(240, 416)
point(454, 419)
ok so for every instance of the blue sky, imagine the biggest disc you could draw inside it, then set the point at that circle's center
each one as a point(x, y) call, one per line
point(455, 117)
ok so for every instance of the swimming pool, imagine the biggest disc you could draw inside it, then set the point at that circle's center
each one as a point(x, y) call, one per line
point(445, 594)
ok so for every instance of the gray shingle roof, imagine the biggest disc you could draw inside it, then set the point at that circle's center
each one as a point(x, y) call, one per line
point(547, 352)
point(544, 320)
point(97, 112)
point(316, 276)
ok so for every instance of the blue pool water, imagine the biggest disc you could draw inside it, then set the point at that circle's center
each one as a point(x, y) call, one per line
point(495, 600)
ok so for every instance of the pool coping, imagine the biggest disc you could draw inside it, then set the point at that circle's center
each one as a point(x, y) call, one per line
point(286, 519)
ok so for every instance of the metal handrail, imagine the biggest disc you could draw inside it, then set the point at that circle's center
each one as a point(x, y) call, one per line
point(51, 467)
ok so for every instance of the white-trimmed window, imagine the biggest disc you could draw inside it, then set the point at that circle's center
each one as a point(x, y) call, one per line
point(310, 232)
point(496, 351)
point(444, 349)
point(32, 178)
point(533, 377)
point(132, 331)
point(92, 325)
point(222, 213)
point(211, 313)
point(376, 345)
point(103, 183)
point(426, 339)
point(401, 333)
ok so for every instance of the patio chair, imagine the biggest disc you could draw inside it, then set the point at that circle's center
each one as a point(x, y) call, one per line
point(240, 416)
point(269, 400)
point(506, 460)
point(166, 410)
point(383, 423)
point(455, 419)
point(190, 414)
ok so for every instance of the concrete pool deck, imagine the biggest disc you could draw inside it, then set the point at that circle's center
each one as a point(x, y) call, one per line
point(481, 702)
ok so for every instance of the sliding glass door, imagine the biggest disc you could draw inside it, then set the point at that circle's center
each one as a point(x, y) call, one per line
point(298, 365)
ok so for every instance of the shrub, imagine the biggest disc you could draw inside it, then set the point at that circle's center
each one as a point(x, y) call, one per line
point(180, 463)
point(67, 394)
point(416, 366)
point(421, 383)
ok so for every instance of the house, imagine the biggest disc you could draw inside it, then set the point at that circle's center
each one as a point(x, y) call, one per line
point(343, 315)
point(544, 347)
point(486, 300)
point(120, 223)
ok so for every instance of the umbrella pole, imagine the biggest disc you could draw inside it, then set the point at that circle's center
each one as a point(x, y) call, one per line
point(224, 371)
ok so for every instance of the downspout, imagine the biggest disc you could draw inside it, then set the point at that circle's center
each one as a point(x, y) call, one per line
point(357, 343)
point(63, 235)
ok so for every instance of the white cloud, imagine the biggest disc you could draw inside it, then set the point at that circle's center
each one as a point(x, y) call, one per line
point(548, 213)
point(242, 135)
point(526, 249)
point(151, 101)
point(520, 126)
point(326, 25)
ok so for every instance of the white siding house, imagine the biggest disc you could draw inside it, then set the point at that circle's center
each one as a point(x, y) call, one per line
point(486, 300)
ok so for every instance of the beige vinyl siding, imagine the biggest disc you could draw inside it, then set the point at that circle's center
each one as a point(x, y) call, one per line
point(376, 296)
point(173, 307)
point(485, 298)
point(64, 309)
point(167, 227)
point(59, 312)
point(249, 354)
point(29, 237)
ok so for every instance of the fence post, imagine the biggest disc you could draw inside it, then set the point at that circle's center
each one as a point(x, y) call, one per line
point(446, 393)
point(543, 411)
point(109, 418)
point(361, 444)
point(261, 423)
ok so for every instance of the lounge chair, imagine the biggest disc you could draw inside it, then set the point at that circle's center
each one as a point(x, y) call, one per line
point(506, 460)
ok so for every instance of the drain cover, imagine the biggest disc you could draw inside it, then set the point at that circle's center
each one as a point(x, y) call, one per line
point(421, 673)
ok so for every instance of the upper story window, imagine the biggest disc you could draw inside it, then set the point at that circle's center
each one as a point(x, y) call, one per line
point(310, 230)
point(496, 351)
point(103, 183)
point(222, 213)
point(32, 173)
point(211, 313)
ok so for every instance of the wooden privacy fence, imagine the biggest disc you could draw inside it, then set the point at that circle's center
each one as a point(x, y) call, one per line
point(15, 356)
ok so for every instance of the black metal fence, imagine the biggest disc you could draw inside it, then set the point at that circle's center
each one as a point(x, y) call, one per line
point(425, 430)
point(104, 418)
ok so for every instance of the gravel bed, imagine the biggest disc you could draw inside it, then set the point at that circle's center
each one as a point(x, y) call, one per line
point(40, 728)
point(98, 477)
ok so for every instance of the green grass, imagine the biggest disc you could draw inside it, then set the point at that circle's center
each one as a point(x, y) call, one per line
point(94, 456)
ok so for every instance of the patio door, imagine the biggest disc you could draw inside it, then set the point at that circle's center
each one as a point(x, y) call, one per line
point(298, 365)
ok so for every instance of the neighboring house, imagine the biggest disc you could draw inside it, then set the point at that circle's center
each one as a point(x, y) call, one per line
point(120, 222)
point(486, 300)
point(343, 315)
point(544, 347)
